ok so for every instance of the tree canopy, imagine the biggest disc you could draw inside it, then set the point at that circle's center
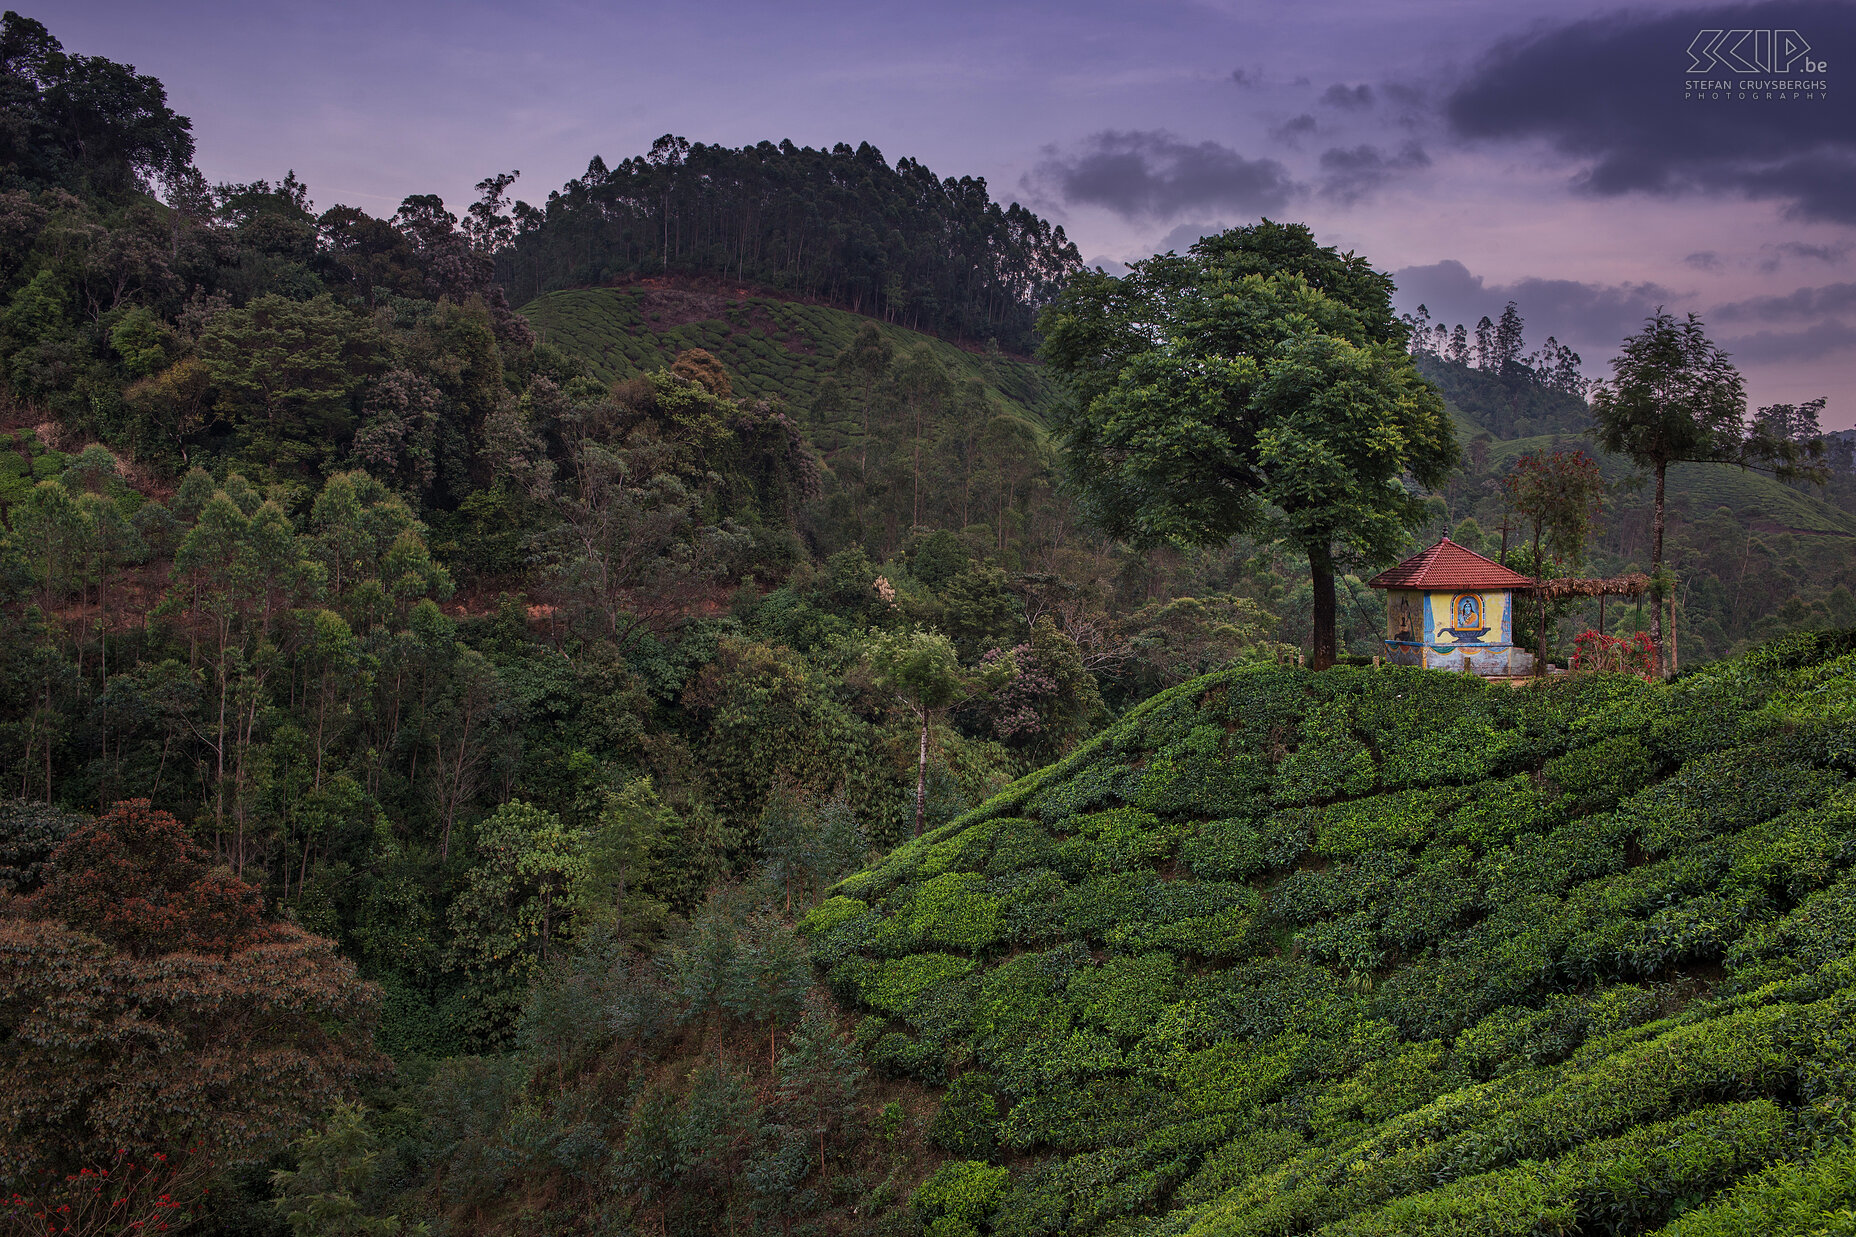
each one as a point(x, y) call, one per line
point(842, 225)
point(1259, 384)
point(143, 1004)
point(82, 122)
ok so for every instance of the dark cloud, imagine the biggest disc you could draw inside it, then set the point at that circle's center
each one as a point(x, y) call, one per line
point(1347, 175)
point(1607, 91)
point(1592, 318)
point(1151, 174)
point(1703, 260)
point(1814, 342)
point(1348, 98)
point(1186, 235)
point(1835, 298)
point(1827, 254)
point(1246, 77)
point(1291, 131)
point(1596, 318)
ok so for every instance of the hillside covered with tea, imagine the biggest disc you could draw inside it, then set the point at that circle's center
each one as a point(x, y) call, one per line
point(452, 649)
point(1390, 952)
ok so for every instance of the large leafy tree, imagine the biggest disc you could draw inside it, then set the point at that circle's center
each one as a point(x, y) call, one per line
point(1674, 397)
point(1558, 495)
point(516, 909)
point(286, 372)
point(1258, 384)
point(81, 122)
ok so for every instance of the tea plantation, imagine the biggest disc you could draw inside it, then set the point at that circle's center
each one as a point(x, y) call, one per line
point(1751, 497)
point(1391, 952)
point(772, 349)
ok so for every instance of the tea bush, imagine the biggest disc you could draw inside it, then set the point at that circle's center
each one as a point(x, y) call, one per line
point(1387, 951)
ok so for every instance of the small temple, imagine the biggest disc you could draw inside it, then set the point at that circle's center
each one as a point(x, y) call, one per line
point(1449, 608)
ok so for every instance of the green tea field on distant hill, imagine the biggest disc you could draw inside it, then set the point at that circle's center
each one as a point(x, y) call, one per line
point(773, 349)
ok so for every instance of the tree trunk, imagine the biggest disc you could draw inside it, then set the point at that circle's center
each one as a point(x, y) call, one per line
point(1321, 575)
point(921, 776)
point(1675, 656)
point(1656, 567)
point(1542, 664)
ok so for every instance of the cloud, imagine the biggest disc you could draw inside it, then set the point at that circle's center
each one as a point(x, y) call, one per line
point(1186, 235)
point(1607, 92)
point(1291, 131)
point(1348, 98)
point(1830, 255)
point(1151, 174)
point(1246, 78)
point(1704, 260)
point(1825, 338)
point(1108, 266)
point(1797, 251)
point(1592, 318)
point(1820, 302)
point(1349, 175)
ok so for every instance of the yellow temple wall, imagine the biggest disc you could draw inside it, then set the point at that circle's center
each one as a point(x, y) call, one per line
point(1496, 606)
point(1427, 618)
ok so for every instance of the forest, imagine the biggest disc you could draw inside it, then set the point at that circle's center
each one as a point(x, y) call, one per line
point(841, 226)
point(696, 707)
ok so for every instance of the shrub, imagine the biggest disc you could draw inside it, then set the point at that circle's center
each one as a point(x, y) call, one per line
point(143, 1004)
point(967, 1123)
point(1229, 849)
point(959, 1197)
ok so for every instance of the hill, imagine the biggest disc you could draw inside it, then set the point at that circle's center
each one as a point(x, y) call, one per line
point(773, 349)
point(842, 226)
point(1389, 951)
point(1754, 499)
point(1522, 413)
point(1519, 404)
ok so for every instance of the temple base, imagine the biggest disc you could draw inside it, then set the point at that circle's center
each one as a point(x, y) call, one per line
point(1502, 662)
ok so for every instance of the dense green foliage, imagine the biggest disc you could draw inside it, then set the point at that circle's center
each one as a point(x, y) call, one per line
point(840, 225)
point(1518, 405)
point(1391, 951)
point(1258, 385)
point(507, 687)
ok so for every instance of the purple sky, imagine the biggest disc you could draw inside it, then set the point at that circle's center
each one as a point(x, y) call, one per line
point(1537, 152)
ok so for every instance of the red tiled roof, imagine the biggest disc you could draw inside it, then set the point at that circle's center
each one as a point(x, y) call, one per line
point(1448, 565)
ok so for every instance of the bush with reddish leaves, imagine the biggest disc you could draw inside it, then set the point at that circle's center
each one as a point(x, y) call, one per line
point(145, 1004)
point(135, 879)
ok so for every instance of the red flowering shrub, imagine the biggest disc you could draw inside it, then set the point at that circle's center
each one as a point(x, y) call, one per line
point(1619, 654)
point(127, 1193)
point(144, 1004)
